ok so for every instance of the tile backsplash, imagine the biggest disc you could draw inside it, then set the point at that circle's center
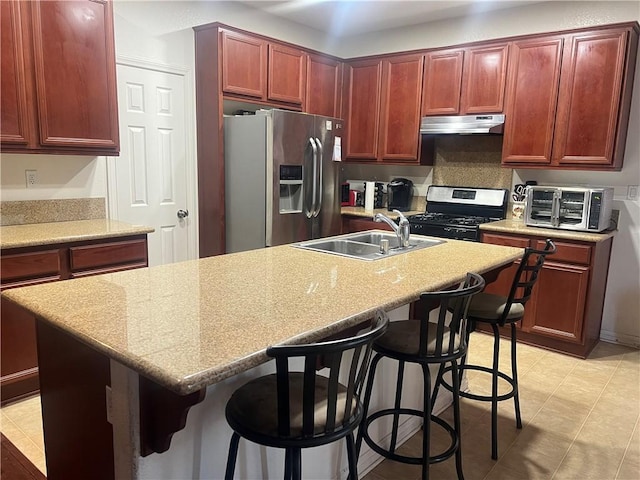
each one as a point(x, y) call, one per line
point(460, 160)
point(470, 161)
point(43, 211)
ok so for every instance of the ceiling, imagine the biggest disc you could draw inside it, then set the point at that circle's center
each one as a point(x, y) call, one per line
point(352, 17)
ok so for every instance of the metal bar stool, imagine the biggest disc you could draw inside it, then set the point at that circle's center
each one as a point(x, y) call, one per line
point(425, 343)
point(498, 311)
point(295, 410)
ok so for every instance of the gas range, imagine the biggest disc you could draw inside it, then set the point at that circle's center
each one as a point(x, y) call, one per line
point(457, 212)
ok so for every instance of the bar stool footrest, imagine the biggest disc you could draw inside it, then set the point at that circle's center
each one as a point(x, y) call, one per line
point(483, 398)
point(453, 447)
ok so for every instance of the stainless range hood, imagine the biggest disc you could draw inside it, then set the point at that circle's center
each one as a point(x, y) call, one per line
point(462, 124)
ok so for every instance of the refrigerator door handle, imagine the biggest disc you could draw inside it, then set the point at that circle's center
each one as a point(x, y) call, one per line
point(319, 179)
point(314, 148)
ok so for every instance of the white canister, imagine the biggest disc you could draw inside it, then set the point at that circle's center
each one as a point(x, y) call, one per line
point(369, 195)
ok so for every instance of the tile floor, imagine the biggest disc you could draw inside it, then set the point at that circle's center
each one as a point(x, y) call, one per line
point(581, 421)
point(21, 423)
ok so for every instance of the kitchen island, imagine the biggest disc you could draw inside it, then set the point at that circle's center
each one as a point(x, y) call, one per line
point(124, 356)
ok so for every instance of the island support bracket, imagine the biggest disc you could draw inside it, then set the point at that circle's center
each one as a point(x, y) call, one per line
point(162, 413)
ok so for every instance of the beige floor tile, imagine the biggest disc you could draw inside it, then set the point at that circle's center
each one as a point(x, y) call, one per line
point(536, 453)
point(500, 472)
point(584, 461)
point(372, 476)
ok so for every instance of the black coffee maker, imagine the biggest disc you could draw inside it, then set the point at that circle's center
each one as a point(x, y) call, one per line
point(399, 194)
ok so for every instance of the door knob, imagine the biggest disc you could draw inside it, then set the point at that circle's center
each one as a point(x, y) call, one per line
point(183, 214)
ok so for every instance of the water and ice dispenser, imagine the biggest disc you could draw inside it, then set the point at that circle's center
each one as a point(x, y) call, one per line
point(291, 194)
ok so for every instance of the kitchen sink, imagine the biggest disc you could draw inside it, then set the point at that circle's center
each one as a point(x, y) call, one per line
point(366, 245)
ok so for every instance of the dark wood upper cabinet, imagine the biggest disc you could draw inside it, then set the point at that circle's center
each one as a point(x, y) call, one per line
point(383, 108)
point(534, 73)
point(400, 108)
point(596, 70)
point(483, 79)
point(324, 83)
point(14, 114)
point(287, 74)
point(244, 65)
point(465, 81)
point(569, 98)
point(61, 77)
point(442, 82)
point(254, 69)
point(363, 86)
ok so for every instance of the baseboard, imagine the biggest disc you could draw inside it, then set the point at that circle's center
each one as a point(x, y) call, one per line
point(620, 338)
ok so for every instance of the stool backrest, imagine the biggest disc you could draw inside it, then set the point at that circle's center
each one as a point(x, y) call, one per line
point(446, 338)
point(331, 355)
point(526, 276)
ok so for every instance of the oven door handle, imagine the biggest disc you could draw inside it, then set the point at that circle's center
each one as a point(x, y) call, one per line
point(555, 208)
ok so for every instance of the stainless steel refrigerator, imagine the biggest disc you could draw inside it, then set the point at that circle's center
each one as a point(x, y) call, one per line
point(281, 180)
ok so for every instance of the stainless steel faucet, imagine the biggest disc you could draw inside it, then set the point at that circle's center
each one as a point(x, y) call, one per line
point(401, 228)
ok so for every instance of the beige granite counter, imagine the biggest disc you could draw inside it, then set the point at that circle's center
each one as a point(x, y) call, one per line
point(518, 227)
point(361, 212)
point(188, 325)
point(28, 235)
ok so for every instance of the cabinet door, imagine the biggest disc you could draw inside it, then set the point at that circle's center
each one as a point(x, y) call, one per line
point(324, 78)
point(364, 79)
point(483, 80)
point(14, 119)
point(75, 73)
point(532, 94)
point(244, 65)
point(400, 108)
point(287, 74)
point(18, 353)
point(589, 98)
point(442, 82)
point(557, 305)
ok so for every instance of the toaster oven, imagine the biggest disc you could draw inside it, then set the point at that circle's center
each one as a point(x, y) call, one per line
point(585, 209)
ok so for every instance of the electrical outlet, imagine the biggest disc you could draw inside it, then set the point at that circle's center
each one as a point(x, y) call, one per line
point(632, 192)
point(31, 177)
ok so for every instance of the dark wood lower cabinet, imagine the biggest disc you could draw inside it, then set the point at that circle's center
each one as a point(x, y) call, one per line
point(48, 263)
point(565, 309)
point(352, 224)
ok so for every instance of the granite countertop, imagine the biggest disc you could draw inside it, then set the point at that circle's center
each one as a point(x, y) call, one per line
point(519, 227)
point(34, 234)
point(191, 324)
point(361, 212)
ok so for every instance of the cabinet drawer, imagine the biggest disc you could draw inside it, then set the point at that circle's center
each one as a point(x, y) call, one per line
point(568, 252)
point(506, 240)
point(16, 267)
point(113, 254)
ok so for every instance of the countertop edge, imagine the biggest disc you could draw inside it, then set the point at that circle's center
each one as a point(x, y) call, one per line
point(124, 230)
point(519, 228)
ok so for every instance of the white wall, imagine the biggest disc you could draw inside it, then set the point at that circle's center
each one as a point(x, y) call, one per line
point(59, 176)
point(528, 19)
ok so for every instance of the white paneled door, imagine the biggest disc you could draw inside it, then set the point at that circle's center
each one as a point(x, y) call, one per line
point(148, 182)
